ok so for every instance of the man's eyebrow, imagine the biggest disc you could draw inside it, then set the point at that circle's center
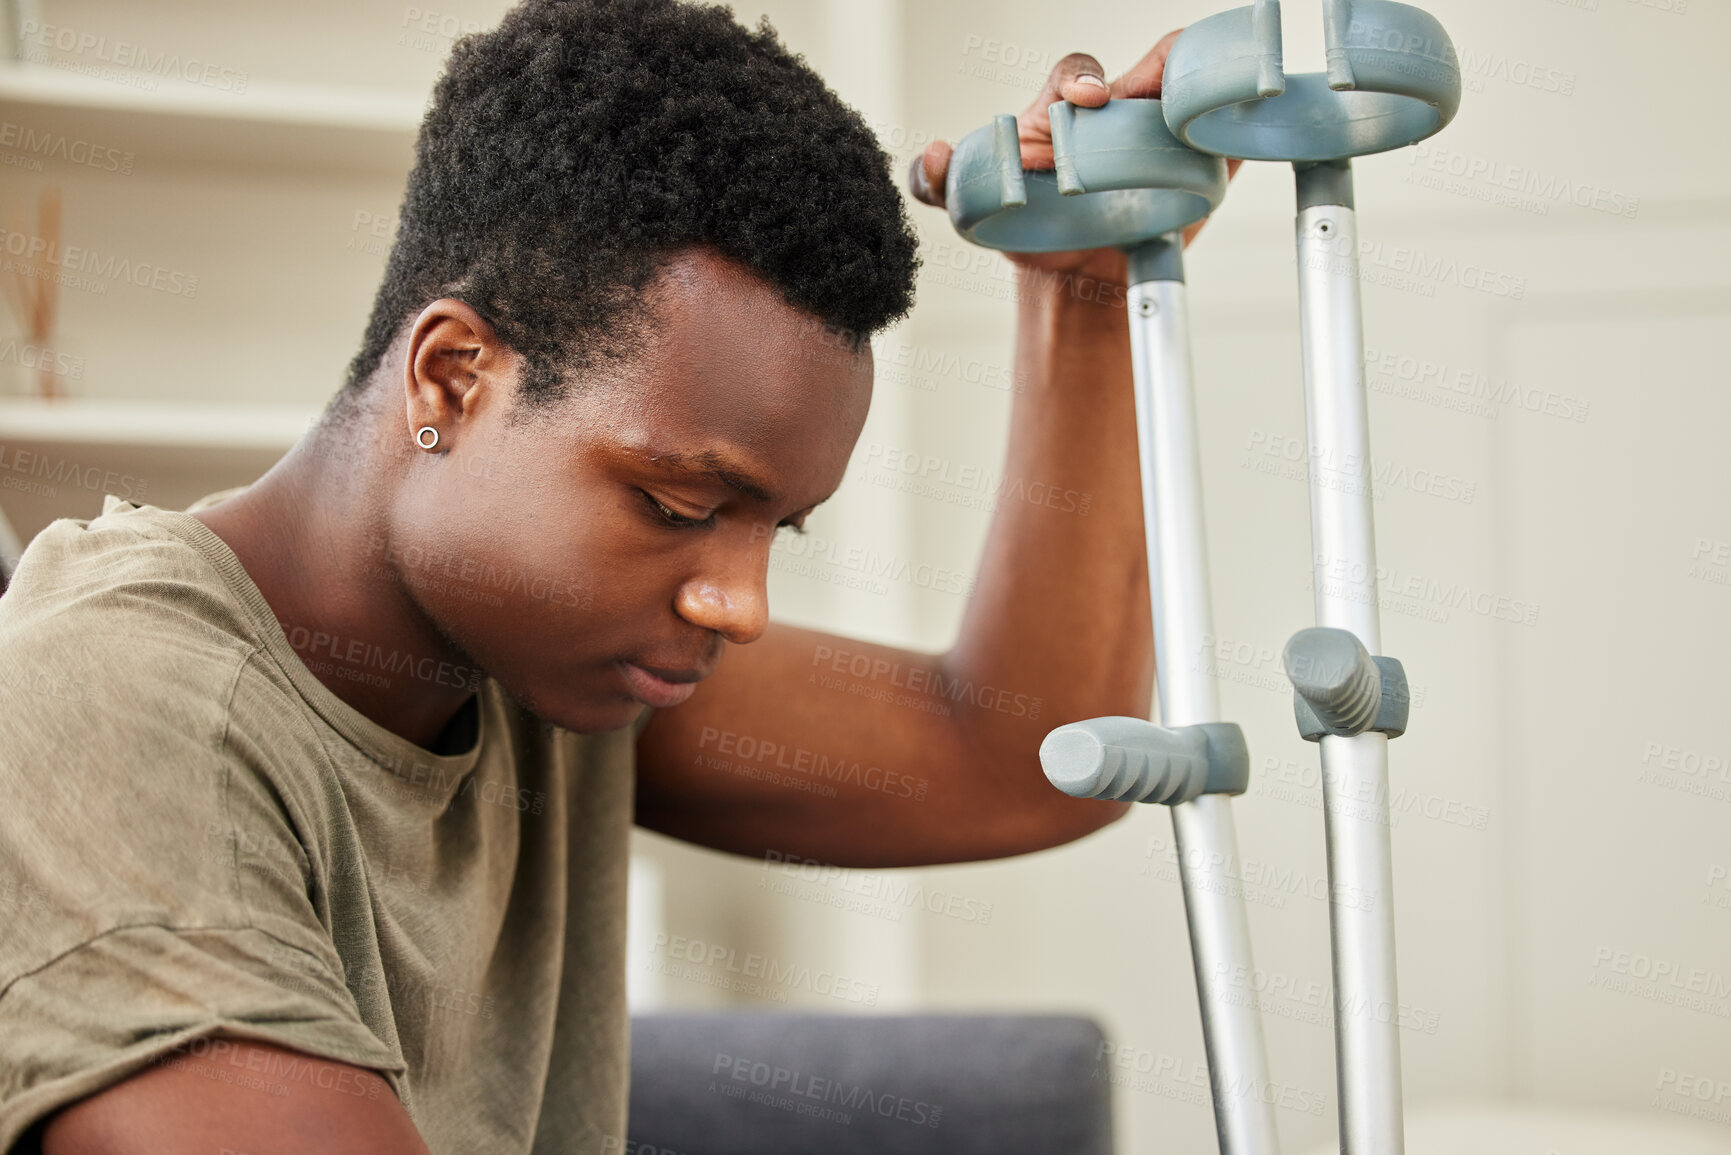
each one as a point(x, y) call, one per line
point(718, 466)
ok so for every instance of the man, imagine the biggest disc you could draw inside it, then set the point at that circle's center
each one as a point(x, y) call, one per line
point(319, 793)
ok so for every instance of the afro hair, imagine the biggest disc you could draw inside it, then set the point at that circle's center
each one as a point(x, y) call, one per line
point(570, 152)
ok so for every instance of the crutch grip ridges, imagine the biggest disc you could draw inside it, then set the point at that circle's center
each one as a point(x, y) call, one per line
point(1339, 687)
point(1133, 760)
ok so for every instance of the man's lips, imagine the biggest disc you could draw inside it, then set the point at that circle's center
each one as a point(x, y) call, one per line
point(659, 687)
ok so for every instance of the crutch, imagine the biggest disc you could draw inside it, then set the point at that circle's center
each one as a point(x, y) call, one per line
point(1392, 79)
point(1120, 179)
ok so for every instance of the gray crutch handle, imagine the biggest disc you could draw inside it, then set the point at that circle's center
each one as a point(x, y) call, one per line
point(1393, 79)
point(1119, 178)
point(1133, 760)
point(1339, 687)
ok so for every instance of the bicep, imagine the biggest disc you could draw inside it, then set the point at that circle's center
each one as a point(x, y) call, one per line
point(240, 1096)
point(860, 754)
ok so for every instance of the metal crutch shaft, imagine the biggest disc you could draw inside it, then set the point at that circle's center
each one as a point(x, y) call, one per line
point(1355, 767)
point(1120, 178)
point(1183, 615)
point(1192, 762)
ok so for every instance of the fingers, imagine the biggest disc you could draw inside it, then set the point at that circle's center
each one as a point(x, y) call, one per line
point(1079, 79)
point(1142, 79)
point(928, 173)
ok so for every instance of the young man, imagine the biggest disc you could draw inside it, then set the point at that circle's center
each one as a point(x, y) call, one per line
point(318, 794)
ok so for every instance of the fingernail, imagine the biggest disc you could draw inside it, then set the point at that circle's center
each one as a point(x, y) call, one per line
point(1093, 80)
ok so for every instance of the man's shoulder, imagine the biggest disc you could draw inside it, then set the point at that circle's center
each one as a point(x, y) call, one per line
point(117, 607)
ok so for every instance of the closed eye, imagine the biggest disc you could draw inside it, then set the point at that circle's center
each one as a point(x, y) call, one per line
point(670, 518)
point(674, 520)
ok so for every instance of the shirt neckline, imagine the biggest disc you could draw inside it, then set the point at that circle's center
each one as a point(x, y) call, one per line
point(443, 773)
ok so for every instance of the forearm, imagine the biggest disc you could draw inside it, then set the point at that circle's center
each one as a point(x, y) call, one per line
point(1060, 610)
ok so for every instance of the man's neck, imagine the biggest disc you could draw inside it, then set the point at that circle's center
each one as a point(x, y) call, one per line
point(313, 534)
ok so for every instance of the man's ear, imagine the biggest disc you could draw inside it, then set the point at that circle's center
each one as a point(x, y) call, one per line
point(455, 364)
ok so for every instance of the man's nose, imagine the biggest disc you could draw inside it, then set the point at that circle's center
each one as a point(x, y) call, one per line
point(732, 598)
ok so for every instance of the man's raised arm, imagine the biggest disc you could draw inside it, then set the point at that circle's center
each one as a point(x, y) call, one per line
point(816, 746)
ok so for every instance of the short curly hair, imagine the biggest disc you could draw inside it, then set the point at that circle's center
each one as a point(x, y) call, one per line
point(569, 152)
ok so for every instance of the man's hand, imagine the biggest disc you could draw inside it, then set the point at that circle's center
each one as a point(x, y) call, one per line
point(1079, 79)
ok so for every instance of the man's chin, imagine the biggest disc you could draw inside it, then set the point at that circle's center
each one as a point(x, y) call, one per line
point(596, 714)
point(595, 717)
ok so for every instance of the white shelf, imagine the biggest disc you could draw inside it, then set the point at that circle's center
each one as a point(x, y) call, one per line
point(268, 125)
point(158, 424)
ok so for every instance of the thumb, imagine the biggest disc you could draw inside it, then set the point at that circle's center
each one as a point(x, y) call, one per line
point(929, 172)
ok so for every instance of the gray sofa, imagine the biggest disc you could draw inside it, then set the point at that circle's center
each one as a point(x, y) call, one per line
point(751, 1083)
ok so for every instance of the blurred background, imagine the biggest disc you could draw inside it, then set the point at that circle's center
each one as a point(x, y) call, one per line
point(1547, 300)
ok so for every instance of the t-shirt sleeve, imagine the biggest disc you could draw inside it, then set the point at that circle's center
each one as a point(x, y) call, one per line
point(153, 887)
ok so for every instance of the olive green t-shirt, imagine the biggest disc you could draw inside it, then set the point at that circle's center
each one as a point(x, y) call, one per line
point(198, 836)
